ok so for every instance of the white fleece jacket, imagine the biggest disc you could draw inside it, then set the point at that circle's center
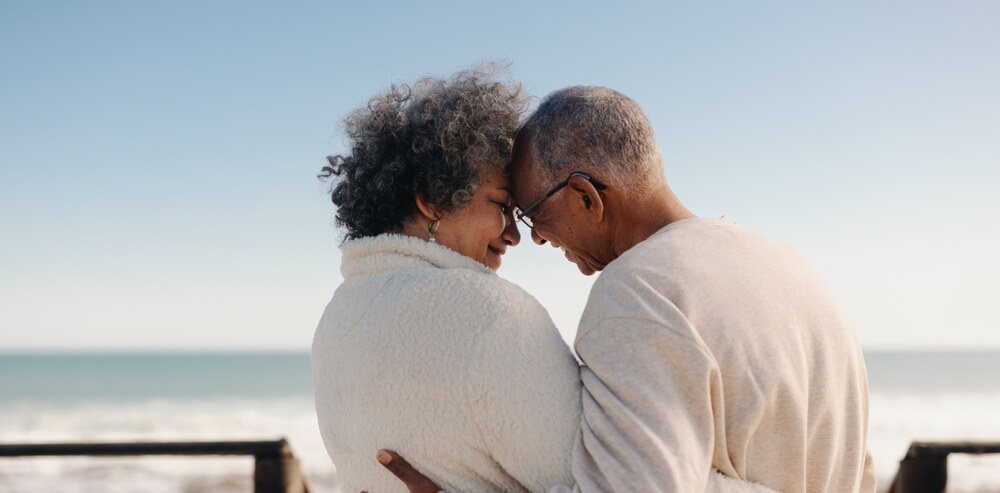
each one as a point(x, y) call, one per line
point(427, 352)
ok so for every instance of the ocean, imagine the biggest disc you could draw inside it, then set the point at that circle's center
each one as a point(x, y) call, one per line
point(207, 397)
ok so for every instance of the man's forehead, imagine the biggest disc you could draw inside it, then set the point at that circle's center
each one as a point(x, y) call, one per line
point(522, 174)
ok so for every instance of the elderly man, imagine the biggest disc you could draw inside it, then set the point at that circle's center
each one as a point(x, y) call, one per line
point(705, 344)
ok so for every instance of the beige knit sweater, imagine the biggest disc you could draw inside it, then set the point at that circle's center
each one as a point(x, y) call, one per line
point(709, 345)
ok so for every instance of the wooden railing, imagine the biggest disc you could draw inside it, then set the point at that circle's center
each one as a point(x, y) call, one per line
point(276, 470)
point(924, 469)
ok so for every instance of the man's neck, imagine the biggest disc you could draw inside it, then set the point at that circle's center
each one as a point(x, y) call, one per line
point(647, 216)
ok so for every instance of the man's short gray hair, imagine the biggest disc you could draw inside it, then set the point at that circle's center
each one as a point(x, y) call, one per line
point(595, 129)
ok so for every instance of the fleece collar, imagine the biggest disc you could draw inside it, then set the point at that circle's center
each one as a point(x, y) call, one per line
point(393, 252)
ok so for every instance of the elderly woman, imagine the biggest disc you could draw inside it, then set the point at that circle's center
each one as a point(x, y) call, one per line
point(424, 349)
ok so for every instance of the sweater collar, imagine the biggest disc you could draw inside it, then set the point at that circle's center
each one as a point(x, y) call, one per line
point(392, 252)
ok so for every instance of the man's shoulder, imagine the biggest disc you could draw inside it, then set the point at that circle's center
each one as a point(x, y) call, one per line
point(665, 251)
point(676, 237)
point(688, 263)
point(694, 247)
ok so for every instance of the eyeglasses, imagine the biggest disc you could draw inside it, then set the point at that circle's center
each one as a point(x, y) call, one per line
point(524, 215)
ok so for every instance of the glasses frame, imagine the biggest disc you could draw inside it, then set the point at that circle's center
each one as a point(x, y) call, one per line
point(524, 215)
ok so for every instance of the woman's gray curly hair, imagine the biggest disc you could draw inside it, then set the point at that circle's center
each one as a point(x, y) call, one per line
point(437, 137)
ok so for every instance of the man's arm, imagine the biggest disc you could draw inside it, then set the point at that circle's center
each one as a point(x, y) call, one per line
point(648, 411)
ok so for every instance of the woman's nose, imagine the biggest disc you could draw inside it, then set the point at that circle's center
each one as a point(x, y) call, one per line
point(511, 235)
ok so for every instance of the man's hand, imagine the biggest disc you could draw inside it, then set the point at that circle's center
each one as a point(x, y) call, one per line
point(416, 482)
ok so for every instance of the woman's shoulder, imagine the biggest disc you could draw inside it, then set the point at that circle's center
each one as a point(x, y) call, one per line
point(474, 312)
point(464, 290)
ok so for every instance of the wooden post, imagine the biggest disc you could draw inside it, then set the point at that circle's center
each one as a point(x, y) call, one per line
point(278, 474)
point(921, 473)
point(924, 469)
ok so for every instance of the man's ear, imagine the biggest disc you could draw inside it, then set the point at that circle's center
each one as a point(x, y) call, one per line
point(427, 209)
point(589, 197)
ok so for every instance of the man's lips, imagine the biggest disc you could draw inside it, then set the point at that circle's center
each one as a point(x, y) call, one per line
point(566, 253)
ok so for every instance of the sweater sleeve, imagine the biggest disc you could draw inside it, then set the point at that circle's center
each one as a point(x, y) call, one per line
point(525, 394)
point(647, 408)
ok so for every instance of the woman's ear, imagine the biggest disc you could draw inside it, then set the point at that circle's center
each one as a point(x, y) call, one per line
point(427, 209)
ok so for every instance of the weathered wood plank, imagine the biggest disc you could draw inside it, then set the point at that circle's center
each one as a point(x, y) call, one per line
point(276, 470)
point(924, 469)
point(267, 448)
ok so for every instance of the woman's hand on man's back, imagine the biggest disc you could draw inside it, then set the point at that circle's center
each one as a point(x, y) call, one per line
point(416, 482)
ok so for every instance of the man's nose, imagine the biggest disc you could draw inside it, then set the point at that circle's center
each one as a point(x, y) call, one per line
point(536, 238)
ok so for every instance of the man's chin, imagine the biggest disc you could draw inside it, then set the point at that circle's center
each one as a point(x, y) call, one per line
point(585, 268)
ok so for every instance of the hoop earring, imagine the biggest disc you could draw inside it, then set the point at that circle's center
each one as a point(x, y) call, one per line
point(432, 228)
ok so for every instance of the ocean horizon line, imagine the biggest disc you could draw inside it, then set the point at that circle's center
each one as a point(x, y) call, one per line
point(226, 351)
point(139, 351)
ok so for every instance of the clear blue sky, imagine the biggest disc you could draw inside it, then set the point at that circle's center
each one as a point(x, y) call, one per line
point(158, 160)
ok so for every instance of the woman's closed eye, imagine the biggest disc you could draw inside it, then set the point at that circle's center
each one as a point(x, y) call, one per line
point(505, 207)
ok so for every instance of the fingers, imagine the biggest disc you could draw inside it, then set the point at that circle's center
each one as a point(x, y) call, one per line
point(416, 482)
